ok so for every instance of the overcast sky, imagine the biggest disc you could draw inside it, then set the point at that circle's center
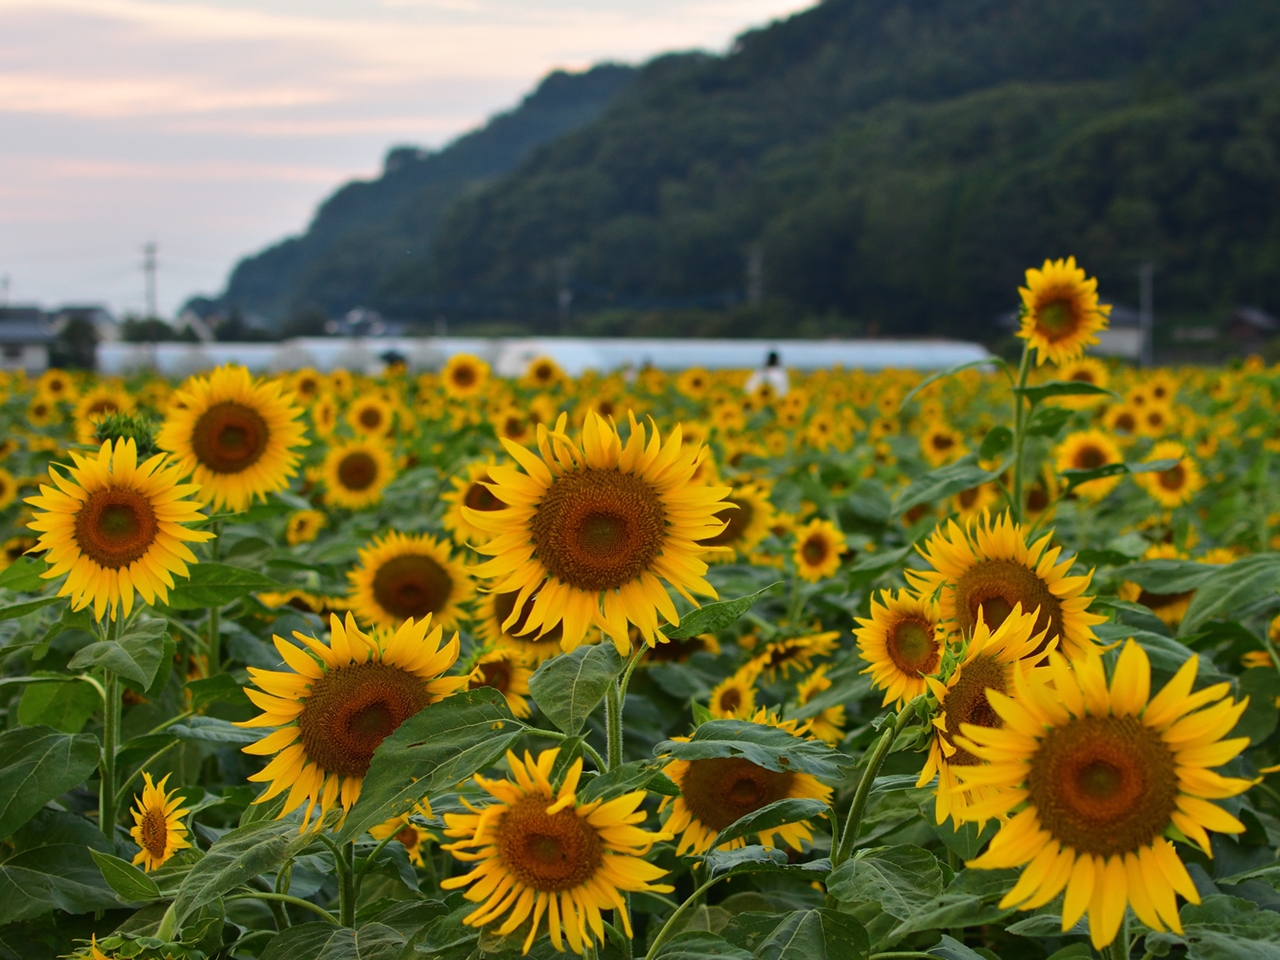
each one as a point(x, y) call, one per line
point(213, 128)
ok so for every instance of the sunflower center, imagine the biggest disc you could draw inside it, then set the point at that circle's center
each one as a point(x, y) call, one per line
point(1174, 478)
point(552, 853)
point(967, 703)
point(730, 700)
point(155, 832)
point(815, 550)
point(720, 790)
point(229, 437)
point(371, 418)
point(598, 529)
point(352, 709)
point(408, 837)
point(1090, 458)
point(1037, 499)
point(911, 647)
point(480, 497)
point(105, 405)
point(995, 587)
point(1103, 785)
point(1057, 318)
point(464, 376)
point(116, 526)
point(1125, 422)
point(736, 523)
point(943, 441)
point(412, 585)
point(1083, 376)
point(496, 674)
point(357, 471)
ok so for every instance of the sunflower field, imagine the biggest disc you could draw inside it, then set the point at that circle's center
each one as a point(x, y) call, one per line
point(852, 666)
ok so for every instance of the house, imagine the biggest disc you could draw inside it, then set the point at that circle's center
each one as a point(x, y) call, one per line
point(1250, 325)
point(105, 325)
point(25, 337)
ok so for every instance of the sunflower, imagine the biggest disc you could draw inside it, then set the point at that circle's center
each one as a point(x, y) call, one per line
point(464, 376)
point(1169, 607)
point(1156, 420)
point(324, 415)
point(401, 576)
point(406, 833)
point(1083, 370)
point(55, 385)
point(370, 416)
point(356, 472)
point(93, 405)
point(1089, 450)
point(819, 545)
point(307, 383)
point(716, 791)
point(471, 491)
point(540, 852)
point(304, 526)
point(158, 827)
point(15, 547)
point(1094, 776)
point(339, 704)
point(496, 609)
point(693, 383)
point(748, 518)
point(506, 670)
point(779, 658)
point(987, 568)
point(1040, 495)
point(1175, 486)
point(594, 528)
point(1122, 419)
point(991, 661)
point(114, 525)
point(972, 503)
point(8, 489)
point(1060, 311)
point(316, 603)
point(941, 444)
point(735, 696)
point(42, 411)
point(903, 642)
point(235, 437)
point(827, 725)
point(543, 373)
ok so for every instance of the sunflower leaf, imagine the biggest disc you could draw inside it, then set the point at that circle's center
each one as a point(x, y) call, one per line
point(135, 656)
point(939, 484)
point(1047, 421)
point(1075, 478)
point(902, 879)
point(40, 764)
point(997, 441)
point(130, 884)
point(758, 859)
point(1166, 576)
point(307, 941)
point(568, 688)
point(1062, 388)
point(1232, 588)
point(23, 575)
point(716, 616)
point(699, 944)
point(770, 816)
point(49, 867)
point(765, 746)
point(801, 935)
point(15, 610)
point(216, 585)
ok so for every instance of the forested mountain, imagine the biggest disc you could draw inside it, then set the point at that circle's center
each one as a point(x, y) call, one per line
point(887, 162)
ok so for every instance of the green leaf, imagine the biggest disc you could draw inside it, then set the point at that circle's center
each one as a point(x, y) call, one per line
point(758, 859)
point(220, 689)
point(435, 748)
point(214, 730)
point(1048, 421)
point(949, 948)
point(1261, 685)
point(939, 484)
point(815, 935)
point(1062, 388)
point(716, 616)
point(636, 775)
point(324, 941)
point(1075, 478)
point(236, 857)
point(868, 566)
point(969, 901)
point(933, 378)
point(50, 867)
point(130, 883)
point(15, 610)
point(1165, 577)
point(23, 575)
point(997, 441)
point(569, 687)
point(1232, 588)
point(772, 815)
point(765, 746)
point(135, 656)
point(1228, 928)
point(903, 879)
point(695, 945)
point(40, 764)
point(215, 585)
point(64, 704)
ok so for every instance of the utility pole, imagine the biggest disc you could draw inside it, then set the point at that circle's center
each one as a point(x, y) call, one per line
point(1146, 312)
point(149, 273)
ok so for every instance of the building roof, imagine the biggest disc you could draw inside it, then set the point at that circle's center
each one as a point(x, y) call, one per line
point(22, 331)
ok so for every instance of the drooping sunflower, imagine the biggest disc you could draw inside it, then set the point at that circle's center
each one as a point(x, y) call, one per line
point(402, 576)
point(496, 610)
point(464, 376)
point(819, 544)
point(828, 724)
point(941, 444)
point(595, 527)
point(304, 526)
point(339, 703)
point(370, 416)
point(237, 438)
point(538, 852)
point(506, 670)
point(987, 568)
point(1088, 450)
point(735, 696)
point(716, 791)
point(470, 491)
point(903, 642)
point(113, 526)
point(158, 828)
point(781, 657)
point(407, 833)
point(1093, 776)
point(1177, 485)
point(991, 661)
point(356, 472)
point(748, 521)
point(1060, 311)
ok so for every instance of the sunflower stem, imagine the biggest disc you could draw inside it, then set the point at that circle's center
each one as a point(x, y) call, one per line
point(1019, 433)
point(669, 928)
point(213, 650)
point(368, 862)
point(285, 898)
point(347, 901)
point(110, 740)
point(613, 726)
point(1118, 949)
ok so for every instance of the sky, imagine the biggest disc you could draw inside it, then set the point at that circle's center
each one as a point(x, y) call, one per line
point(213, 128)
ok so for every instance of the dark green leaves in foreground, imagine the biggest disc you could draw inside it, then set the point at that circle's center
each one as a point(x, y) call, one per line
point(715, 616)
point(776, 814)
point(215, 585)
point(768, 747)
point(569, 687)
point(39, 765)
point(49, 867)
point(1232, 589)
point(800, 935)
point(324, 941)
point(135, 656)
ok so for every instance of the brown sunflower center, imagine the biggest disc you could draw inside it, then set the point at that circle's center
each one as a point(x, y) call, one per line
point(408, 837)
point(1083, 376)
point(370, 418)
point(598, 529)
point(815, 550)
point(1175, 478)
point(1089, 458)
point(1037, 499)
point(352, 709)
point(1057, 318)
point(1103, 785)
point(995, 587)
point(736, 523)
point(1125, 422)
point(357, 470)
point(480, 497)
point(463, 375)
point(496, 674)
point(504, 603)
point(911, 647)
point(943, 441)
point(967, 703)
point(720, 790)
point(104, 405)
point(116, 526)
point(412, 585)
point(556, 852)
point(229, 437)
point(155, 832)
point(730, 700)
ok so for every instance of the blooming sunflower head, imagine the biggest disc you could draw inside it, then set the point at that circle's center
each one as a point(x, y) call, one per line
point(1083, 370)
point(1091, 776)
point(543, 373)
point(464, 376)
point(356, 472)
point(941, 444)
point(505, 669)
point(158, 827)
point(902, 642)
point(237, 438)
point(1060, 311)
point(735, 696)
point(539, 853)
point(1177, 485)
point(819, 545)
point(113, 526)
point(748, 517)
point(338, 703)
point(827, 724)
point(473, 492)
point(98, 403)
point(371, 416)
point(304, 526)
point(1089, 450)
point(780, 658)
point(401, 576)
point(594, 528)
point(404, 831)
point(496, 627)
